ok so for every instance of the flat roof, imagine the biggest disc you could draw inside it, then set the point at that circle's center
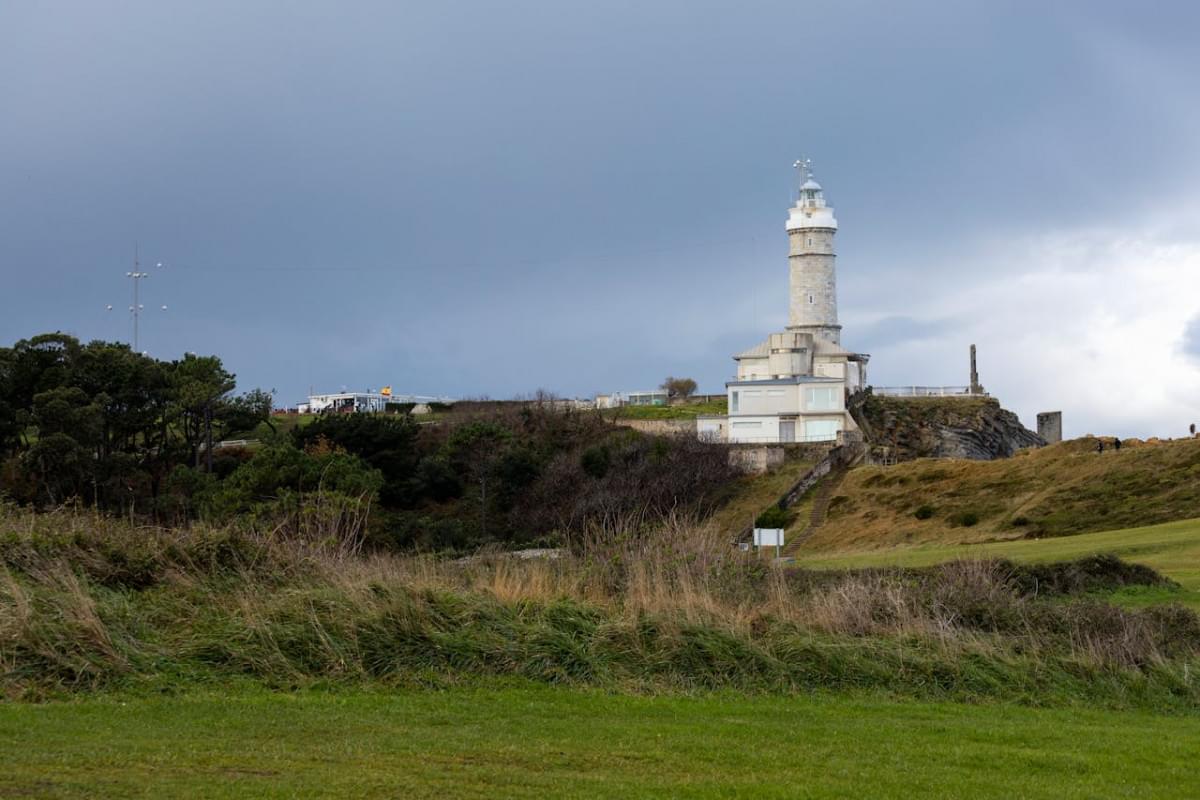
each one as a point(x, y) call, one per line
point(785, 381)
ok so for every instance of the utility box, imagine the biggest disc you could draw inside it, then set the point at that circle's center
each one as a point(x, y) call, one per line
point(1049, 426)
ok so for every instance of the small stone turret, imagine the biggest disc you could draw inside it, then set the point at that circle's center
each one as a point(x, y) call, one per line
point(811, 228)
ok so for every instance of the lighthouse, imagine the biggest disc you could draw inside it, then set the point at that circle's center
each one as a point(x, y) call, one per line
point(811, 227)
point(793, 386)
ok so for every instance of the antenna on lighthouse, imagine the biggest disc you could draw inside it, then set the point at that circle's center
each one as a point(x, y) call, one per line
point(804, 167)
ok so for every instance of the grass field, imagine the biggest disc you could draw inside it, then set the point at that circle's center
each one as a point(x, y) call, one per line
point(1172, 548)
point(687, 411)
point(544, 742)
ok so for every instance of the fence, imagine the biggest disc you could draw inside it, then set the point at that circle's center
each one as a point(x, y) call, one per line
point(926, 391)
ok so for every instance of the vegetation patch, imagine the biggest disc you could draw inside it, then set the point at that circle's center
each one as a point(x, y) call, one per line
point(678, 609)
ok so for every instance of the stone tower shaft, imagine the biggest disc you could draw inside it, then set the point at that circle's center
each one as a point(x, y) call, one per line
point(811, 229)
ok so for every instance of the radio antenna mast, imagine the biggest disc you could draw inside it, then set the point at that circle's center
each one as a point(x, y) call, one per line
point(135, 310)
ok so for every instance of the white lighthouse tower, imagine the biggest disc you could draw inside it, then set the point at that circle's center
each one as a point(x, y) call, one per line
point(811, 228)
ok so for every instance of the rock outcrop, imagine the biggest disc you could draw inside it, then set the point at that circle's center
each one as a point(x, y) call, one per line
point(905, 428)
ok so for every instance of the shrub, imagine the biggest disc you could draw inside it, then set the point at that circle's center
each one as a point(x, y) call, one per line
point(773, 517)
point(596, 461)
point(965, 518)
point(1019, 521)
point(924, 512)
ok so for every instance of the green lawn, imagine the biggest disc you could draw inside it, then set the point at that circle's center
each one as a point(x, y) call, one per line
point(686, 411)
point(545, 742)
point(1172, 548)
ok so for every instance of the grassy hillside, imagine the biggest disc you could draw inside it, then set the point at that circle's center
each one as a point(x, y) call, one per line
point(1172, 549)
point(1063, 489)
point(529, 742)
point(93, 604)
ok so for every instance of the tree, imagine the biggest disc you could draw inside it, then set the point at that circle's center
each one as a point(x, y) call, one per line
point(678, 387)
point(199, 385)
point(386, 443)
point(476, 449)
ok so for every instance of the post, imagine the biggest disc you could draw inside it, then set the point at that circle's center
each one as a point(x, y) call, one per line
point(975, 387)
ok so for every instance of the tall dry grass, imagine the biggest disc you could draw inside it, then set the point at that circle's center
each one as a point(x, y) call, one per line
point(88, 601)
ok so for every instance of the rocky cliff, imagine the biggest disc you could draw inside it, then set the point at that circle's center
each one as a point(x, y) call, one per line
point(905, 428)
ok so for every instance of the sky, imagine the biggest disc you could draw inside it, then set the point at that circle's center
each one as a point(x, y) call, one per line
point(480, 199)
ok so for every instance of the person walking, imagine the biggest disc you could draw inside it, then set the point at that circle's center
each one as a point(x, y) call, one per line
point(1116, 444)
point(1099, 445)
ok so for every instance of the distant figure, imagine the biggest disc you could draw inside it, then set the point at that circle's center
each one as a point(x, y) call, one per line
point(1116, 444)
point(1192, 428)
point(1099, 445)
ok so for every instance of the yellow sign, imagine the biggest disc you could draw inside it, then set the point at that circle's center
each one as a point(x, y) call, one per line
point(386, 391)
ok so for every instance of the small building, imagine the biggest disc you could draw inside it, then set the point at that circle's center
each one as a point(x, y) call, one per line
point(656, 397)
point(345, 403)
point(368, 402)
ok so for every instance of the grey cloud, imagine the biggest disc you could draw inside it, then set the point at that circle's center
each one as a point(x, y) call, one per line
point(577, 195)
point(1191, 338)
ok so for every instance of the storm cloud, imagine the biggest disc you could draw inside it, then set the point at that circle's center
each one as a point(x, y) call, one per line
point(487, 199)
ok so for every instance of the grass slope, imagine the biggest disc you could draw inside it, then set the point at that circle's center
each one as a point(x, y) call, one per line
point(753, 494)
point(540, 743)
point(1067, 488)
point(1172, 548)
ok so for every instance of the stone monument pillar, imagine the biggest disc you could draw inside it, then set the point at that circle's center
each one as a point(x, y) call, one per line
point(1049, 426)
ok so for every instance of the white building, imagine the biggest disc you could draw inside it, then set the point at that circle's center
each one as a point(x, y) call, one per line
point(653, 397)
point(368, 402)
point(792, 387)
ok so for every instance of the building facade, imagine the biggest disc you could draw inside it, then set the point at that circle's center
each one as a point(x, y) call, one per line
point(793, 386)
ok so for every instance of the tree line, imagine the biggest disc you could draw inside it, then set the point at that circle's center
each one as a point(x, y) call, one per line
point(99, 424)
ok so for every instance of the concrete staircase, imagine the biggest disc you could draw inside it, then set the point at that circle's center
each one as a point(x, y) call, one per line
point(820, 507)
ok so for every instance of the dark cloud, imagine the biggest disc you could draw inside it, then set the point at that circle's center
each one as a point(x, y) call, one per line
point(482, 198)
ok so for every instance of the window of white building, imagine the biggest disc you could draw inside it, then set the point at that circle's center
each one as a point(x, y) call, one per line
point(747, 424)
point(733, 402)
point(821, 398)
point(821, 430)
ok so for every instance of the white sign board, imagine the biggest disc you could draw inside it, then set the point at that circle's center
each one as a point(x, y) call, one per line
point(768, 537)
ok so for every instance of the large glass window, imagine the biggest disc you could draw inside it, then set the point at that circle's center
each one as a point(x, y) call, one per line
point(821, 398)
point(733, 402)
point(820, 430)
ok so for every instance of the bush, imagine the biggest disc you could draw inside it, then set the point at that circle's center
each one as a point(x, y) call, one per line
point(773, 517)
point(965, 518)
point(596, 461)
point(1020, 521)
point(924, 512)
